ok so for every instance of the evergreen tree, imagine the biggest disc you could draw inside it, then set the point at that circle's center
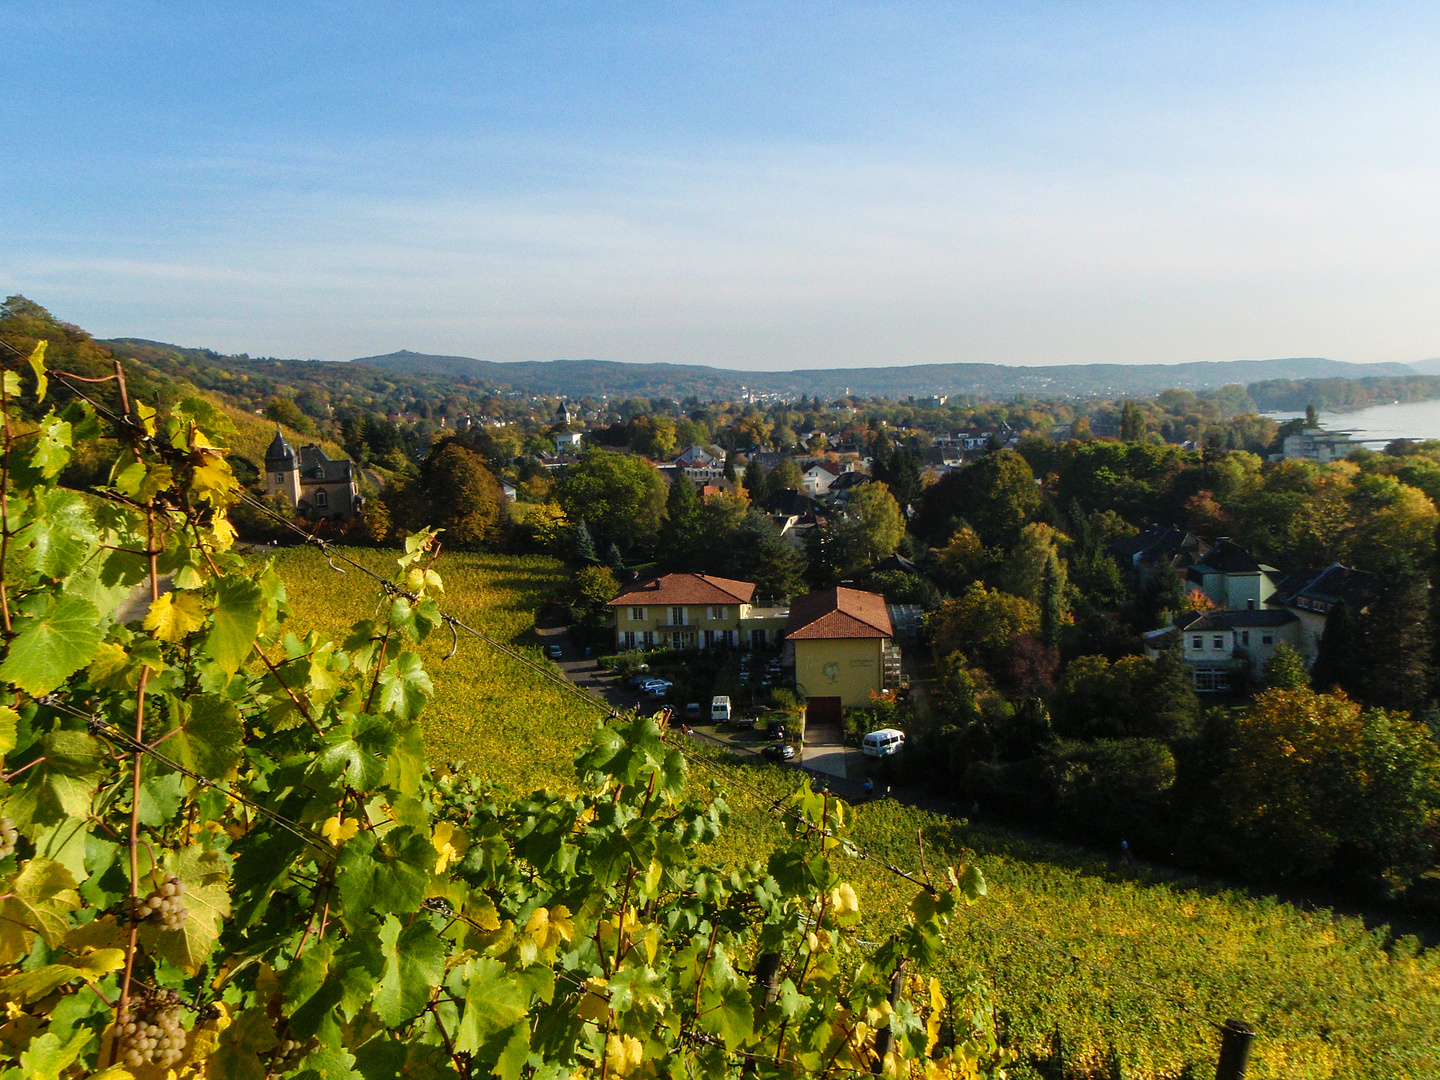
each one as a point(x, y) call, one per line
point(755, 481)
point(903, 476)
point(1174, 710)
point(582, 546)
point(1132, 423)
point(1053, 609)
point(1394, 656)
point(1335, 658)
point(684, 526)
point(613, 558)
point(757, 552)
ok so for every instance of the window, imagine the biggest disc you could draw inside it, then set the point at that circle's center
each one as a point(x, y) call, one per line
point(1208, 681)
point(1197, 643)
point(1250, 604)
point(637, 614)
point(1267, 639)
point(629, 639)
point(322, 497)
point(1217, 642)
point(648, 638)
point(717, 614)
point(677, 616)
point(1244, 637)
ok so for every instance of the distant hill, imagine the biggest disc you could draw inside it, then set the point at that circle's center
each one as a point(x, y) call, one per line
point(592, 378)
point(1427, 367)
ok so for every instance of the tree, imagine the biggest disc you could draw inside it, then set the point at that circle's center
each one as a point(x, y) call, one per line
point(582, 544)
point(996, 496)
point(684, 526)
point(784, 477)
point(1054, 608)
point(757, 552)
point(755, 480)
point(1023, 570)
point(465, 498)
point(622, 497)
point(1315, 778)
point(1285, 670)
point(869, 529)
point(1394, 653)
point(980, 624)
point(1132, 423)
point(902, 475)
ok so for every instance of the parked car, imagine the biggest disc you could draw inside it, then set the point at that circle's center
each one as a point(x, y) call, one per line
point(780, 752)
point(553, 652)
point(720, 708)
point(883, 743)
point(639, 681)
point(658, 688)
point(776, 730)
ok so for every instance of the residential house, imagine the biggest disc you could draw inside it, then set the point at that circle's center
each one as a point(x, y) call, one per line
point(568, 442)
point(1232, 579)
point(841, 642)
point(1226, 649)
point(315, 484)
point(1311, 595)
point(1157, 545)
point(818, 477)
point(702, 464)
point(693, 611)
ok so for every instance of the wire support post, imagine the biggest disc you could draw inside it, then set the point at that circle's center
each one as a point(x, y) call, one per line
point(1235, 1039)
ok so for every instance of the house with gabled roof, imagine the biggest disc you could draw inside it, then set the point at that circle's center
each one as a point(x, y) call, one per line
point(1232, 578)
point(315, 484)
point(693, 611)
point(1311, 595)
point(841, 642)
point(1227, 649)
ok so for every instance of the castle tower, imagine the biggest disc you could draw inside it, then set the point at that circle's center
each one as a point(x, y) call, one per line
point(282, 471)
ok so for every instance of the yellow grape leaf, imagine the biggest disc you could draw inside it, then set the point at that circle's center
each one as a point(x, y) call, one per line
point(38, 899)
point(175, 615)
point(450, 843)
point(37, 365)
point(27, 986)
point(101, 933)
point(623, 1054)
point(213, 481)
point(8, 719)
point(595, 1005)
point(337, 831)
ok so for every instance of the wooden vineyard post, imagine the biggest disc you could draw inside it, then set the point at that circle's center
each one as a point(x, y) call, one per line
point(885, 1037)
point(1235, 1038)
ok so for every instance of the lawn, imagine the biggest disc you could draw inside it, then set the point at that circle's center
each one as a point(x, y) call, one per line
point(1329, 998)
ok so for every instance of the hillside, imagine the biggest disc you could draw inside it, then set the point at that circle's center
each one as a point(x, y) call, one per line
point(581, 378)
point(1329, 997)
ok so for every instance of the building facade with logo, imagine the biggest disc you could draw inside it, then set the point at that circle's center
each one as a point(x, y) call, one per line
point(843, 641)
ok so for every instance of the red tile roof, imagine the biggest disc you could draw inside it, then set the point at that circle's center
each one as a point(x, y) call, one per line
point(686, 589)
point(839, 613)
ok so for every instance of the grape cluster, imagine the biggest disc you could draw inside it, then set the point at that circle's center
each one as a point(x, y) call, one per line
point(8, 835)
point(150, 1032)
point(165, 905)
point(288, 1054)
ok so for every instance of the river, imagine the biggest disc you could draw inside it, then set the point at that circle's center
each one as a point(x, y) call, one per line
point(1379, 424)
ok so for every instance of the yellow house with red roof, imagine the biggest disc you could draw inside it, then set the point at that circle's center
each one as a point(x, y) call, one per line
point(841, 638)
point(693, 611)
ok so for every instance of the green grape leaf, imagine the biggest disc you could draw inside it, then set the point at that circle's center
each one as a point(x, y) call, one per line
point(47, 1057)
point(38, 900)
point(639, 989)
point(60, 533)
point(972, 883)
point(207, 904)
point(404, 687)
point(37, 366)
point(160, 799)
point(52, 449)
point(237, 621)
point(725, 1008)
point(250, 1034)
point(494, 1002)
point(59, 786)
point(52, 646)
point(210, 738)
point(175, 616)
point(359, 964)
point(415, 963)
point(65, 842)
point(388, 877)
point(355, 752)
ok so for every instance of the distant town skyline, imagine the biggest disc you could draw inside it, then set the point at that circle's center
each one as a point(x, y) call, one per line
point(750, 186)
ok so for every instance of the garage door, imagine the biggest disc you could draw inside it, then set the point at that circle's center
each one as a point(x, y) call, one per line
point(822, 710)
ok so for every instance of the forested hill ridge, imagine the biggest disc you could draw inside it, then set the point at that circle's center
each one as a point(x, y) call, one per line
point(593, 378)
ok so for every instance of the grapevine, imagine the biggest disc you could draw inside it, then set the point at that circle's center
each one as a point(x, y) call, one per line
point(213, 819)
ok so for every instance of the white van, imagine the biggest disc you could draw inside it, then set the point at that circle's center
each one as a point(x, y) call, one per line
point(719, 708)
point(883, 743)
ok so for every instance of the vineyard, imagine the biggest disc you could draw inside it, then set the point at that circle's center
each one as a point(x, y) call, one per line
point(1329, 998)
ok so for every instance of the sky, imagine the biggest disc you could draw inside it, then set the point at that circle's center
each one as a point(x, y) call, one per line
point(754, 186)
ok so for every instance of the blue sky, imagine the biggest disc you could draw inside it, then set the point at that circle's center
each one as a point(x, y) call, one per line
point(771, 185)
